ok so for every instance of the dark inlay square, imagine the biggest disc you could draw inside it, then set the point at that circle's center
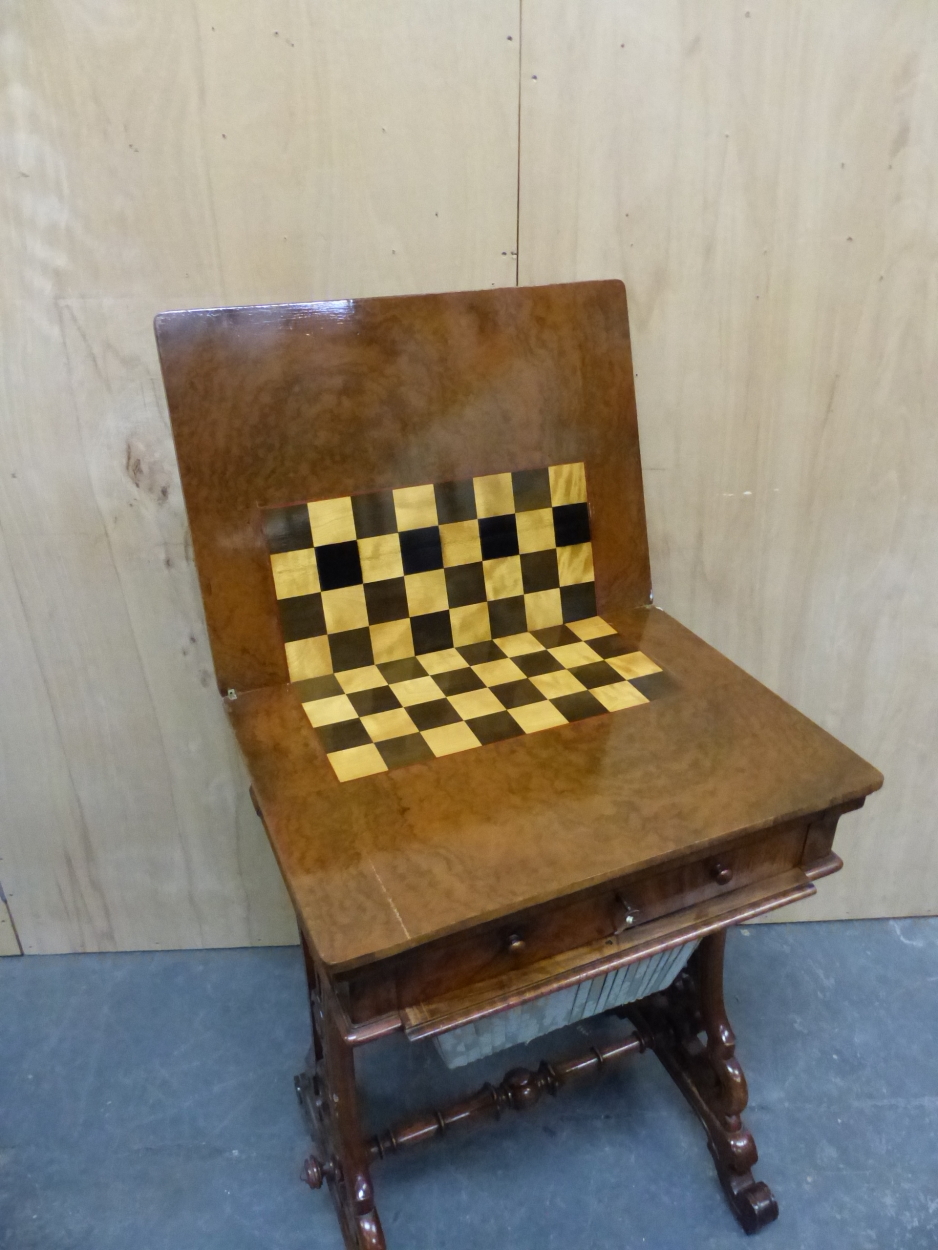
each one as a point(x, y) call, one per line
point(517, 693)
point(351, 649)
point(455, 501)
point(386, 601)
point(578, 706)
point(317, 688)
point(571, 524)
point(537, 662)
point(421, 549)
point(402, 670)
point(597, 674)
point(499, 536)
point(374, 514)
point(432, 632)
point(494, 727)
point(539, 571)
point(611, 644)
point(302, 617)
point(555, 636)
point(507, 616)
point(458, 681)
point(430, 715)
point(344, 734)
point(654, 685)
point(396, 752)
point(578, 602)
point(368, 702)
point(287, 529)
point(465, 583)
point(531, 489)
point(339, 565)
point(481, 652)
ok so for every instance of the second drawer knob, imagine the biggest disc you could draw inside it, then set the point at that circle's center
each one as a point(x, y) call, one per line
point(722, 873)
point(627, 915)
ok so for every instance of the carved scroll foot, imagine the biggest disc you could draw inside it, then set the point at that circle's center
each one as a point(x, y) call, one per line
point(328, 1097)
point(752, 1201)
point(691, 1035)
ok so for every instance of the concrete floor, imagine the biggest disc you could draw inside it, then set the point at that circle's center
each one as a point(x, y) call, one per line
point(146, 1103)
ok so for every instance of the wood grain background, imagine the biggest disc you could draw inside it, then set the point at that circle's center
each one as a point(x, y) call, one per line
point(763, 177)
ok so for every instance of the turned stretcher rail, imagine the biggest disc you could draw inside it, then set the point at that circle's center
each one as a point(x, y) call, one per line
point(519, 1090)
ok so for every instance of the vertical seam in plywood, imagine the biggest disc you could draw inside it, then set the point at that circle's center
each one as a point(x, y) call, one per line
point(518, 133)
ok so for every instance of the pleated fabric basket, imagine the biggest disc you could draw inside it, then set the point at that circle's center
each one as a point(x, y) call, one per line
point(554, 1011)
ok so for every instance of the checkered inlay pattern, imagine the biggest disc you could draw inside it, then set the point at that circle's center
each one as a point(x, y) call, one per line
point(433, 619)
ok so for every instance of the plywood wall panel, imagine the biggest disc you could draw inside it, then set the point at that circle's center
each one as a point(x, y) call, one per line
point(394, 128)
point(187, 155)
point(763, 177)
point(51, 879)
point(108, 347)
point(9, 944)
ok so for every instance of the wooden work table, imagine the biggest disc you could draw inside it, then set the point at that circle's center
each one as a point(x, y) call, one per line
point(495, 778)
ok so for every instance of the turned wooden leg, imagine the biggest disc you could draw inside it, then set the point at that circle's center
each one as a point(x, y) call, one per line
point(329, 1097)
point(689, 1032)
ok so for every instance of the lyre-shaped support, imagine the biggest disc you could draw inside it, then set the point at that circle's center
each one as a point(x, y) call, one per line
point(708, 1074)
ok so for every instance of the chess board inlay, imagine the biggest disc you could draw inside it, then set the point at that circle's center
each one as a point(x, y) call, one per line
point(433, 619)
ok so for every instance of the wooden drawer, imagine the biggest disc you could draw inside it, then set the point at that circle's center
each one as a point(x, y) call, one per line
point(507, 946)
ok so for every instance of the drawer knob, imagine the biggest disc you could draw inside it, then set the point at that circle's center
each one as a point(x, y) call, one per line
point(516, 943)
point(627, 917)
point(314, 1172)
point(722, 873)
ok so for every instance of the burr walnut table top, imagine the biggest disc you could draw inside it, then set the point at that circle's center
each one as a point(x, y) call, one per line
point(398, 858)
point(419, 529)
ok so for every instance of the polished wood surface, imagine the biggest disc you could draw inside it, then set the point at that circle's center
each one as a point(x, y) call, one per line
point(437, 894)
point(401, 858)
point(272, 406)
point(603, 920)
point(486, 995)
